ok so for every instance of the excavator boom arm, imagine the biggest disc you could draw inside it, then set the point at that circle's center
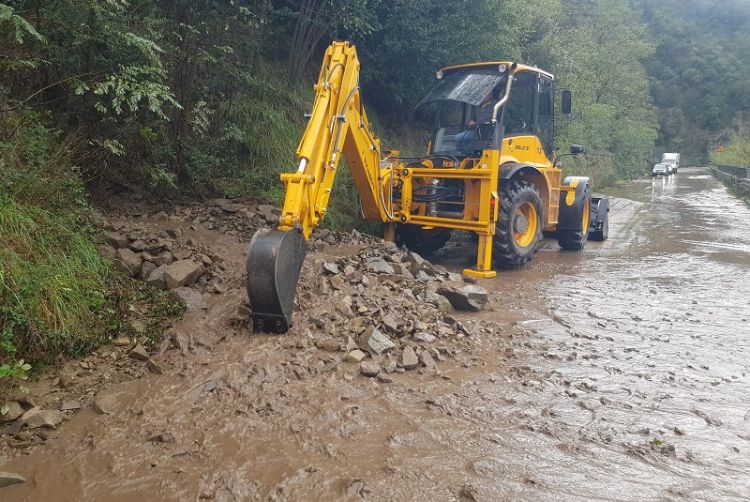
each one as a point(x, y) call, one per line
point(338, 126)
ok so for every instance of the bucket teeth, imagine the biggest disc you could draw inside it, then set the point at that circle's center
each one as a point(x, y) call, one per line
point(273, 268)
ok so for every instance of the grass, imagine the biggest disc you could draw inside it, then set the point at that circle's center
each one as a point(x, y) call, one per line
point(52, 281)
point(58, 297)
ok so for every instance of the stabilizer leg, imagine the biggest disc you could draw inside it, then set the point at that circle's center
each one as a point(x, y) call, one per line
point(483, 268)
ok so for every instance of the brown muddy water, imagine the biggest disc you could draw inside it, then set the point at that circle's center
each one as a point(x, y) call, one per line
point(621, 375)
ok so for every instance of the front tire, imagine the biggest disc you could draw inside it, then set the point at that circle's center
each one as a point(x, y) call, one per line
point(518, 231)
point(575, 240)
point(603, 233)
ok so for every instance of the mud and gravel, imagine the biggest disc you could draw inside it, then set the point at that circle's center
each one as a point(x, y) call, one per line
point(619, 373)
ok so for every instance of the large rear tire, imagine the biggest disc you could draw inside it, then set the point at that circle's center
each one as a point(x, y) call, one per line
point(419, 240)
point(575, 240)
point(518, 231)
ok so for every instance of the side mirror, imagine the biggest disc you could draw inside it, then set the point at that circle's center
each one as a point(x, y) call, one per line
point(577, 149)
point(567, 102)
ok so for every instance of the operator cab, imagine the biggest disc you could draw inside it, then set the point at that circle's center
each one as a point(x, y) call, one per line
point(460, 108)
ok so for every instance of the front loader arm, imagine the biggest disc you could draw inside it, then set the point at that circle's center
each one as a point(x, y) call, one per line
point(338, 125)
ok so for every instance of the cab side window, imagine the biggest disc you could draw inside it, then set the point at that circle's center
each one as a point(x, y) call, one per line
point(545, 121)
point(518, 116)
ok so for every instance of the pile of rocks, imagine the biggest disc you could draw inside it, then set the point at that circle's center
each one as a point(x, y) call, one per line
point(24, 412)
point(231, 217)
point(163, 261)
point(386, 309)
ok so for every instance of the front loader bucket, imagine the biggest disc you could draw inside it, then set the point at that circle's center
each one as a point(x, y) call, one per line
point(273, 267)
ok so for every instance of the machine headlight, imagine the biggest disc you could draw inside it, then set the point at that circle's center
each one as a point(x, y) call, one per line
point(439, 74)
point(502, 68)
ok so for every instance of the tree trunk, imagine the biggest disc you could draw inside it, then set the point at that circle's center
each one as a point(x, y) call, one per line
point(308, 30)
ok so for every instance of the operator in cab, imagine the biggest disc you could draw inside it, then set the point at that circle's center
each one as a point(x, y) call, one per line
point(482, 114)
point(479, 122)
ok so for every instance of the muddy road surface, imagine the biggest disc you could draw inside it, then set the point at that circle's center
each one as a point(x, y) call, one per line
point(619, 373)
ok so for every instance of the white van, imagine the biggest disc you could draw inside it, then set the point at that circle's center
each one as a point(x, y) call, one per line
point(673, 159)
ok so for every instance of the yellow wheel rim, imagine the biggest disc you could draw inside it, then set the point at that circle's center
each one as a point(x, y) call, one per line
point(586, 216)
point(525, 224)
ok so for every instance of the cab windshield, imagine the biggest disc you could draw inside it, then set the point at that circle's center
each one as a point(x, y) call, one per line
point(458, 111)
point(470, 86)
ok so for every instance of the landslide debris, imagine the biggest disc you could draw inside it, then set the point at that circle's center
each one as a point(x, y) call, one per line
point(384, 307)
point(362, 304)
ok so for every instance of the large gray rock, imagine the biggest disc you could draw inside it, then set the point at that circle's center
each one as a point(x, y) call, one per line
point(469, 297)
point(416, 262)
point(369, 369)
point(128, 261)
point(375, 342)
point(164, 258)
point(10, 478)
point(355, 356)
point(156, 279)
point(441, 302)
point(147, 268)
point(14, 411)
point(117, 240)
point(70, 405)
point(409, 359)
point(138, 245)
point(37, 417)
point(390, 324)
point(424, 337)
point(380, 266)
point(228, 207)
point(330, 268)
point(105, 404)
point(139, 353)
point(182, 273)
point(426, 359)
point(182, 254)
point(192, 299)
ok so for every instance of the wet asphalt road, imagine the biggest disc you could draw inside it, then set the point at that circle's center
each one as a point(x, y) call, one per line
point(646, 350)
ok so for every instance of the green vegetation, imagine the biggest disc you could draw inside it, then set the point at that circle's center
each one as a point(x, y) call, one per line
point(699, 76)
point(733, 149)
point(52, 280)
point(208, 98)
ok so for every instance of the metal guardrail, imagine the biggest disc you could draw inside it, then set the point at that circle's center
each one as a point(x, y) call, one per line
point(735, 171)
point(736, 176)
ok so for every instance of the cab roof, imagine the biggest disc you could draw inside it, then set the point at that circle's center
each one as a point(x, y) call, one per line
point(488, 64)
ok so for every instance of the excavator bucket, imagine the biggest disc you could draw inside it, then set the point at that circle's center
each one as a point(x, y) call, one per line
point(273, 267)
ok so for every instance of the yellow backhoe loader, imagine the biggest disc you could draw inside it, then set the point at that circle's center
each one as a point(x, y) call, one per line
point(490, 169)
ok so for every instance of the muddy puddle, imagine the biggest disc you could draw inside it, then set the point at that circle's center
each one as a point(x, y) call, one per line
point(619, 373)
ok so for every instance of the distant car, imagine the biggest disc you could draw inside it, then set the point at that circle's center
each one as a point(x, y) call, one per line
point(661, 169)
